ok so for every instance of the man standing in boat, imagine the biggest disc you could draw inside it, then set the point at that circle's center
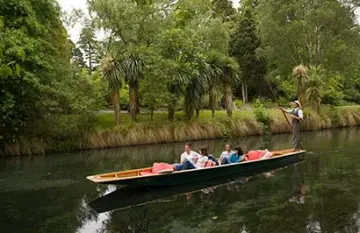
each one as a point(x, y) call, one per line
point(297, 117)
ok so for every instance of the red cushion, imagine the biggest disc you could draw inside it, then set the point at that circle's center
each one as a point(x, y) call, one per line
point(210, 163)
point(255, 154)
point(160, 167)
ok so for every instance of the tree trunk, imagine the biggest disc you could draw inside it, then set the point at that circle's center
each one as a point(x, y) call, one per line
point(197, 113)
point(152, 114)
point(133, 94)
point(116, 103)
point(212, 98)
point(244, 91)
point(301, 98)
point(171, 112)
point(228, 99)
point(189, 113)
point(90, 61)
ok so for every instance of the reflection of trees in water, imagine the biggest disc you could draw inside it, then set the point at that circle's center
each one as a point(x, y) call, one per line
point(55, 210)
point(46, 195)
point(354, 222)
point(136, 220)
point(226, 208)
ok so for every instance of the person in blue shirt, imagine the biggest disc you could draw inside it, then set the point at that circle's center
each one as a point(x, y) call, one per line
point(236, 157)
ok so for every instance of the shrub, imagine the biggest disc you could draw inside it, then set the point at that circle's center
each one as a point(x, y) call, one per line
point(262, 116)
point(239, 103)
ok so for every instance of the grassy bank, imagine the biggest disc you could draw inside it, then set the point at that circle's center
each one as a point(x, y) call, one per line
point(104, 134)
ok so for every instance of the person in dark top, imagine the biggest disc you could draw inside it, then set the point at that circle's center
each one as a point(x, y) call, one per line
point(204, 152)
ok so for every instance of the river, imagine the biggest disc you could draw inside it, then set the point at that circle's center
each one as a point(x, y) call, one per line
point(320, 194)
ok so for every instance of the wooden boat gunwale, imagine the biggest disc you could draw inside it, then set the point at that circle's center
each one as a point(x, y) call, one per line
point(102, 178)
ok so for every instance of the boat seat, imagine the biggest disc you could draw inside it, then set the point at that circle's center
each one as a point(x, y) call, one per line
point(158, 167)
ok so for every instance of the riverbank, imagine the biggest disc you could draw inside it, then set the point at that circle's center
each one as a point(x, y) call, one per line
point(104, 134)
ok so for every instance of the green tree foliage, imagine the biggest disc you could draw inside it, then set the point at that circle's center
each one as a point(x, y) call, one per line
point(153, 90)
point(166, 51)
point(321, 33)
point(78, 57)
point(223, 9)
point(307, 32)
point(133, 26)
point(178, 52)
point(243, 46)
point(36, 75)
point(88, 43)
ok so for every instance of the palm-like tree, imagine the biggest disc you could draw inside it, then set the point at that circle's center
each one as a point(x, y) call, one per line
point(196, 88)
point(214, 61)
point(300, 77)
point(179, 74)
point(134, 66)
point(229, 77)
point(113, 73)
point(314, 86)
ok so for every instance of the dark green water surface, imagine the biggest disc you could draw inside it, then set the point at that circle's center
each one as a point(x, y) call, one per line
point(320, 194)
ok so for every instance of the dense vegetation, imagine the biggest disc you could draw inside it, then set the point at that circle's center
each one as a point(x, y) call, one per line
point(182, 55)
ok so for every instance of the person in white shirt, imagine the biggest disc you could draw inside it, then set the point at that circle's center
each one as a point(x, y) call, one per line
point(297, 117)
point(201, 161)
point(188, 159)
point(225, 155)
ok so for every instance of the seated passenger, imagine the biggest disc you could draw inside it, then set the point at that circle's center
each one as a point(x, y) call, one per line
point(201, 161)
point(225, 155)
point(236, 157)
point(204, 152)
point(188, 159)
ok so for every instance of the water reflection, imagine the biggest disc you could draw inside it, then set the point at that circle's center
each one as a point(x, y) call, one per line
point(50, 193)
point(94, 224)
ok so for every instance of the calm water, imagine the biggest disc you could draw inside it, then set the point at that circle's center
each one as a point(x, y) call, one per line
point(320, 194)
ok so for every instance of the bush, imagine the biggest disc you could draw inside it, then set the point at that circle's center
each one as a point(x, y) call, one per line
point(239, 103)
point(333, 93)
point(124, 95)
point(262, 116)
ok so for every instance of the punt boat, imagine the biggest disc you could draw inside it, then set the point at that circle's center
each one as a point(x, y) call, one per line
point(134, 178)
point(126, 197)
